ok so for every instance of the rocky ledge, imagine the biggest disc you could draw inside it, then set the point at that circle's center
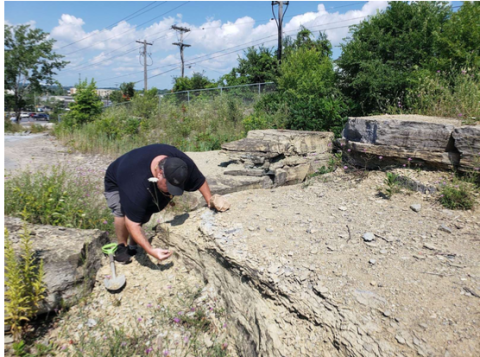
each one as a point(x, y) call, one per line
point(438, 143)
point(329, 268)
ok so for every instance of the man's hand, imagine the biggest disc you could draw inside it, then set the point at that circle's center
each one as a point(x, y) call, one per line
point(160, 254)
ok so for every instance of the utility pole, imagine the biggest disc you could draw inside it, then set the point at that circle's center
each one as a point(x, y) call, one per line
point(144, 54)
point(180, 44)
point(279, 25)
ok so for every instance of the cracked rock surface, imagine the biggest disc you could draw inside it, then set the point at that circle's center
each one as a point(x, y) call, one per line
point(298, 279)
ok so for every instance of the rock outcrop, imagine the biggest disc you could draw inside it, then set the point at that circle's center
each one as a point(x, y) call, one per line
point(384, 140)
point(285, 156)
point(467, 142)
point(307, 284)
point(71, 259)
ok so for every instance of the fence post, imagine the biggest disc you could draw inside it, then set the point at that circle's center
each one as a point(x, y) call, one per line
point(188, 96)
point(221, 90)
point(258, 88)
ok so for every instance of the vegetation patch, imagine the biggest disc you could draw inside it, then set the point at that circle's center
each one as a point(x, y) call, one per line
point(59, 197)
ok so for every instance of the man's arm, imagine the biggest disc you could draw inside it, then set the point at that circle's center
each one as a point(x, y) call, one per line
point(137, 234)
point(205, 191)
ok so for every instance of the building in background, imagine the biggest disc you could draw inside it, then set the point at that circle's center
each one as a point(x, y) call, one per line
point(103, 93)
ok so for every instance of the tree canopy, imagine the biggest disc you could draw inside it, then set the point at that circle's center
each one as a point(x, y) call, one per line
point(29, 62)
point(377, 65)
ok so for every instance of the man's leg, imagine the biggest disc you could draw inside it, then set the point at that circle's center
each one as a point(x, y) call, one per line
point(120, 230)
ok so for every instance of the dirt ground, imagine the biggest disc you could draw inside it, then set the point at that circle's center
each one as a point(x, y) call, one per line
point(415, 285)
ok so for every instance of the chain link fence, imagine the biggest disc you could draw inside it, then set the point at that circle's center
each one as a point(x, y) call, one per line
point(248, 93)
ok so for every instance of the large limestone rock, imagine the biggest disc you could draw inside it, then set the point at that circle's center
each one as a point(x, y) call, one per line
point(285, 156)
point(439, 143)
point(71, 258)
point(411, 132)
point(467, 142)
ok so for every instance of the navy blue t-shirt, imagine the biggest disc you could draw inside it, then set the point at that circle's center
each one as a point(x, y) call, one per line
point(129, 174)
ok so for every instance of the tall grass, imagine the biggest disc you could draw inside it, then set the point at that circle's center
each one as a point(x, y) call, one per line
point(60, 197)
point(10, 127)
point(200, 125)
point(453, 94)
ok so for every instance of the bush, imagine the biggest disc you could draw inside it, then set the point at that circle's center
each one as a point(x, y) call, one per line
point(59, 197)
point(87, 106)
point(24, 284)
point(307, 86)
point(448, 94)
point(457, 195)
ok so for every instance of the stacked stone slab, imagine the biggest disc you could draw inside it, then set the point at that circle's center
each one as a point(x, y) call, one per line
point(280, 157)
point(428, 141)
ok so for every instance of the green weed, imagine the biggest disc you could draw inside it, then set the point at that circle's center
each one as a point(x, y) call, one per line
point(24, 285)
point(457, 194)
point(60, 197)
point(391, 183)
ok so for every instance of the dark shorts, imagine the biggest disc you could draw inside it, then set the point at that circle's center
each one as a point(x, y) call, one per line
point(113, 202)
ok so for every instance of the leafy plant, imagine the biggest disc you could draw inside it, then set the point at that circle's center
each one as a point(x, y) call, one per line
point(24, 284)
point(87, 106)
point(391, 183)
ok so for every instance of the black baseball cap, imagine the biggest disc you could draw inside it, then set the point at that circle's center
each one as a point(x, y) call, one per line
point(176, 173)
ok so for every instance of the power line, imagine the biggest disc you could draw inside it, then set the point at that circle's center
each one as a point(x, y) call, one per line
point(180, 43)
point(133, 29)
point(144, 54)
point(110, 26)
point(194, 60)
point(81, 64)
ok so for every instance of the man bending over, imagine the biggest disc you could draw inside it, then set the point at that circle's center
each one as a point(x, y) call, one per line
point(142, 182)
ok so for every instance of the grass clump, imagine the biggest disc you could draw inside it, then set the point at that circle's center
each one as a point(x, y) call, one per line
point(24, 285)
point(11, 127)
point(58, 197)
point(457, 195)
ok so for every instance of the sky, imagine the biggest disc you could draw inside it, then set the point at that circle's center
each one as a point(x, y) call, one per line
point(98, 38)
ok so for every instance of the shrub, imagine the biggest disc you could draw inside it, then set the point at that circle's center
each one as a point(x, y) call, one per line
point(307, 86)
point(87, 106)
point(457, 195)
point(58, 197)
point(24, 283)
point(453, 94)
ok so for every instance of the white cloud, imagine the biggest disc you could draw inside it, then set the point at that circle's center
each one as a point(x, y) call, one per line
point(31, 23)
point(211, 36)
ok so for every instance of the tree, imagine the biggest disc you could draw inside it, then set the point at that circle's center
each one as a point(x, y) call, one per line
point(460, 41)
point(258, 66)
point(376, 64)
point(29, 62)
point(127, 90)
point(87, 105)
point(197, 81)
point(307, 84)
point(306, 39)
point(116, 96)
